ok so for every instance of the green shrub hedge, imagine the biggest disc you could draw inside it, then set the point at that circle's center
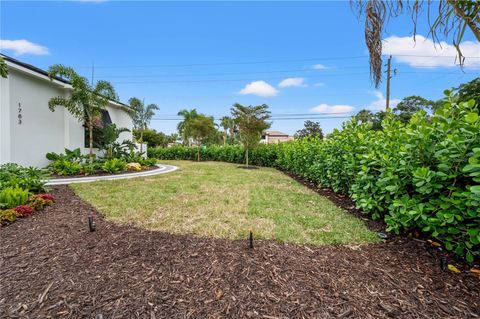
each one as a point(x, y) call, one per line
point(424, 175)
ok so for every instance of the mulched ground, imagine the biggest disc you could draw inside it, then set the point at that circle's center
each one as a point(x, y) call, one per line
point(52, 267)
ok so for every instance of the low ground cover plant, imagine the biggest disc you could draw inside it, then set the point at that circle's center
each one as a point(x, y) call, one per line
point(422, 175)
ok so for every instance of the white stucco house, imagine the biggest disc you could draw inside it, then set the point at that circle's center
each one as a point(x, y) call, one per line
point(29, 130)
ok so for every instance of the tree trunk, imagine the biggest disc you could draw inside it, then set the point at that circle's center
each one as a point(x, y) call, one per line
point(224, 138)
point(141, 140)
point(198, 154)
point(90, 139)
point(246, 157)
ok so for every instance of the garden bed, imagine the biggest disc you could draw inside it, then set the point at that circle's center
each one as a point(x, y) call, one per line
point(102, 173)
point(52, 266)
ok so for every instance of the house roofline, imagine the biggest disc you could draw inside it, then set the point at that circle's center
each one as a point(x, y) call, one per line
point(64, 83)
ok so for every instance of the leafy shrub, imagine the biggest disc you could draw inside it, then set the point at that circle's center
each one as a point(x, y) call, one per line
point(13, 196)
point(147, 161)
point(24, 210)
point(422, 175)
point(14, 175)
point(114, 165)
point(7, 217)
point(65, 167)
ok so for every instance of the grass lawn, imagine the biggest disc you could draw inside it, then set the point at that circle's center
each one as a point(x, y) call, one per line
point(219, 200)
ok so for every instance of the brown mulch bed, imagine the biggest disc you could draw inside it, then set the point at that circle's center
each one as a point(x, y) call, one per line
point(53, 267)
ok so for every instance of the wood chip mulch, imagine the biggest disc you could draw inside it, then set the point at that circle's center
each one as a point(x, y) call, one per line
point(53, 267)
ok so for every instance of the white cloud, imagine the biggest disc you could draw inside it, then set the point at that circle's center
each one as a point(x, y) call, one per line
point(332, 109)
point(319, 67)
point(428, 54)
point(319, 84)
point(380, 103)
point(260, 88)
point(20, 47)
point(292, 82)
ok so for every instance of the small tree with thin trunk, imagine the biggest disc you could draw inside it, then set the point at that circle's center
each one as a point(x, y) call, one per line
point(201, 128)
point(142, 116)
point(251, 121)
point(184, 126)
point(85, 102)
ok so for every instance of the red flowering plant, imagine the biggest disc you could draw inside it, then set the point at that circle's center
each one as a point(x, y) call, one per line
point(24, 210)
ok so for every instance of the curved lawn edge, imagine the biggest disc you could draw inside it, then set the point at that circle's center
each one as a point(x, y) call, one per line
point(162, 169)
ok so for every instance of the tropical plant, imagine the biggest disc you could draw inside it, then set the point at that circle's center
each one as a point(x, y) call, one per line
point(66, 167)
point(70, 155)
point(251, 121)
point(107, 140)
point(13, 196)
point(184, 126)
point(85, 102)
point(14, 175)
point(450, 16)
point(114, 165)
point(311, 129)
point(142, 116)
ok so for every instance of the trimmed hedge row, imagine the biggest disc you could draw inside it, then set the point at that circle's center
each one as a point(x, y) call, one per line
point(423, 175)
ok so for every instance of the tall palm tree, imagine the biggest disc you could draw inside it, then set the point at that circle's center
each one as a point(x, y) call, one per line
point(184, 126)
point(225, 123)
point(85, 102)
point(142, 117)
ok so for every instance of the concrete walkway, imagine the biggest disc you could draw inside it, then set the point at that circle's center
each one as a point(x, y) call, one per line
point(162, 169)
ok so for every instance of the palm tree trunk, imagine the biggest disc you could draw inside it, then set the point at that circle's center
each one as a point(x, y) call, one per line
point(141, 140)
point(246, 157)
point(90, 139)
point(224, 138)
point(198, 154)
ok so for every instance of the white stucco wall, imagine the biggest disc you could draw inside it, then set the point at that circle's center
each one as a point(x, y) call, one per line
point(41, 130)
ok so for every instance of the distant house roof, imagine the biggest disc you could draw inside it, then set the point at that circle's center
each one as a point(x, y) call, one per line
point(276, 133)
point(45, 73)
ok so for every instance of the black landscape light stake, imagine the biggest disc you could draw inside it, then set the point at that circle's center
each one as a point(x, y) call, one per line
point(251, 240)
point(444, 262)
point(91, 223)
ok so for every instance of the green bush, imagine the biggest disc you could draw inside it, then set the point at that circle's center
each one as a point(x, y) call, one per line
point(14, 175)
point(65, 167)
point(114, 166)
point(422, 175)
point(13, 196)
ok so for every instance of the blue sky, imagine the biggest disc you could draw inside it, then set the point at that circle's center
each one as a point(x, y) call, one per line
point(304, 58)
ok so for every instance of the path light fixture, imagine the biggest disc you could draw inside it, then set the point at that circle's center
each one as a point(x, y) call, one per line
point(91, 223)
point(444, 262)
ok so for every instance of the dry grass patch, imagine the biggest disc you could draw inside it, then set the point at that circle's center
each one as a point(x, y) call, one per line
point(219, 200)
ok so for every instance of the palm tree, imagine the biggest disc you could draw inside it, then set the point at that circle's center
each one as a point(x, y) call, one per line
point(450, 18)
point(3, 68)
point(184, 126)
point(225, 122)
point(86, 102)
point(142, 117)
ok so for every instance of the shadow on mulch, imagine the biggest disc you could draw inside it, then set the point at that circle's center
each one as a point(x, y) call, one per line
point(54, 267)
